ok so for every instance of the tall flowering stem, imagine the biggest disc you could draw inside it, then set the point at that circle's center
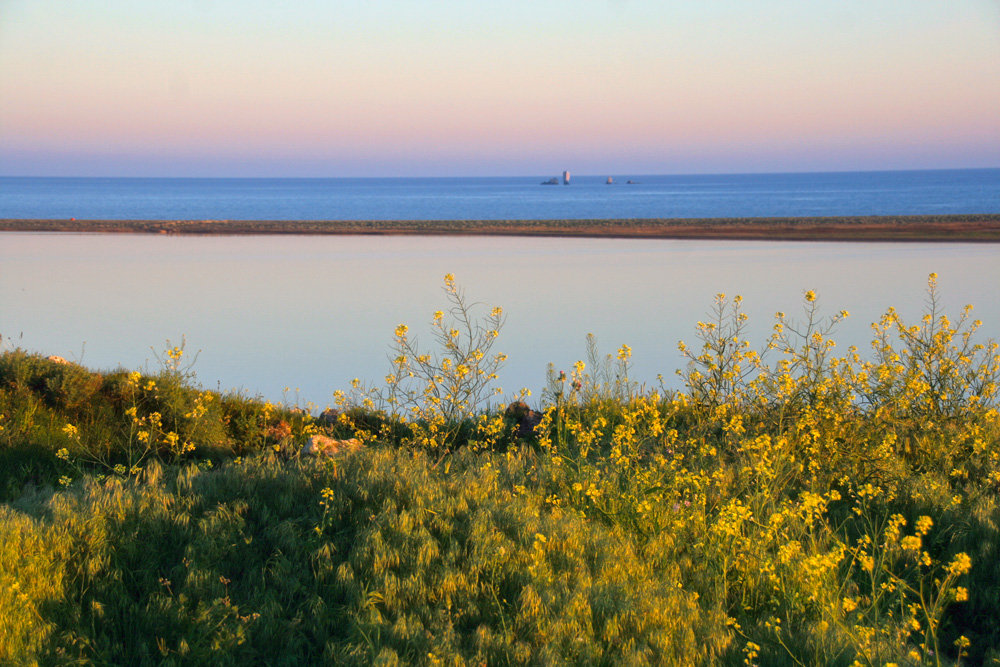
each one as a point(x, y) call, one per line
point(439, 390)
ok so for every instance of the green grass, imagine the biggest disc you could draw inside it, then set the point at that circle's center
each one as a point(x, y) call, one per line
point(820, 512)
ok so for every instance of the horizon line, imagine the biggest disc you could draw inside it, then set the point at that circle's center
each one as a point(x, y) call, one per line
point(539, 175)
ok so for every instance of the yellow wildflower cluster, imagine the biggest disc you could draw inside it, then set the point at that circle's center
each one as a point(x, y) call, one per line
point(776, 481)
point(432, 393)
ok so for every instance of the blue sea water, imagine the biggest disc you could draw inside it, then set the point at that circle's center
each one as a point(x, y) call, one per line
point(701, 196)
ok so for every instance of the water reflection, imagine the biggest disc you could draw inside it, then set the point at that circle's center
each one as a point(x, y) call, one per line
point(313, 312)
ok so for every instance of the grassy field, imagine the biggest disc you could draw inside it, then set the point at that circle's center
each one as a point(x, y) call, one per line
point(795, 504)
point(967, 228)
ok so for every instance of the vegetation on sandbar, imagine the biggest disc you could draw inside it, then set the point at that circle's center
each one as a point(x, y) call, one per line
point(937, 228)
point(791, 506)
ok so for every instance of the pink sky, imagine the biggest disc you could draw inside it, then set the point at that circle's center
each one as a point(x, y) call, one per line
point(439, 88)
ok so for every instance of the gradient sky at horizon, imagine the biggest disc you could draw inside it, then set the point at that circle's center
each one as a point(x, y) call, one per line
point(426, 88)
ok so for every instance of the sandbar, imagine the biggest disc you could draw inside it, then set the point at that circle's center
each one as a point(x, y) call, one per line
point(928, 228)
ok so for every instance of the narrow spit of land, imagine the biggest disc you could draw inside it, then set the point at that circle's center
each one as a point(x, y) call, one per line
point(964, 228)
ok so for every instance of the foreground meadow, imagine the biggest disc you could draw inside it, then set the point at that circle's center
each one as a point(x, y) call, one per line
point(795, 504)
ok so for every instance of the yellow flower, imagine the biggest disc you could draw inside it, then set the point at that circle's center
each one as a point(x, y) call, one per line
point(961, 594)
point(810, 296)
point(961, 564)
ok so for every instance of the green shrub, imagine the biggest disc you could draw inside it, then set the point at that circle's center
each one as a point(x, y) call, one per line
point(791, 507)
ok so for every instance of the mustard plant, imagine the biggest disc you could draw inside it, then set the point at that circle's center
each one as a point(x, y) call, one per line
point(815, 510)
point(437, 394)
point(938, 370)
point(720, 370)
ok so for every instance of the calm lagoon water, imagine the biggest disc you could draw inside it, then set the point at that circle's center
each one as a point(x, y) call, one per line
point(314, 312)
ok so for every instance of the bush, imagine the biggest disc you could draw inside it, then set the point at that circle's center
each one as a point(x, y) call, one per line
point(791, 507)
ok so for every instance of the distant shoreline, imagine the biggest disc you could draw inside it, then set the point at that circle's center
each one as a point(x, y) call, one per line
point(915, 228)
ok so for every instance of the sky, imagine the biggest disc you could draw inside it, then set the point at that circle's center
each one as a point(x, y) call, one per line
point(519, 87)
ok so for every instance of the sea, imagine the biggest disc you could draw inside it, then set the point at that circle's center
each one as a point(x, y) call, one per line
point(294, 318)
point(505, 198)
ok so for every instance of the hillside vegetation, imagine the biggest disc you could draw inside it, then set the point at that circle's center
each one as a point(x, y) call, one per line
point(795, 504)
